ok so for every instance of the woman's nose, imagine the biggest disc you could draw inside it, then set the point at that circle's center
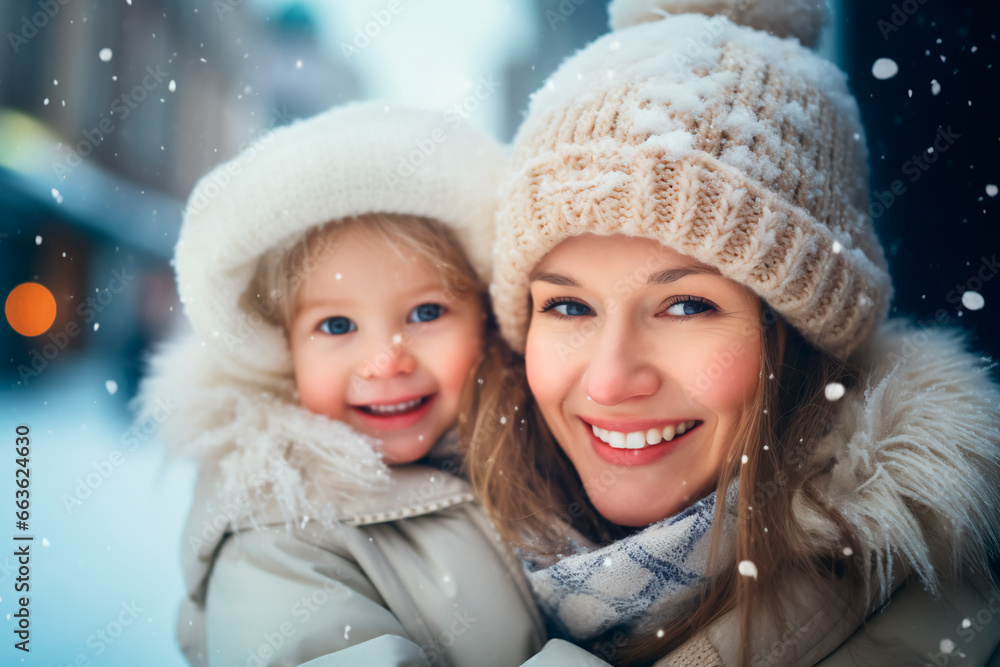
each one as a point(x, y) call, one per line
point(618, 369)
point(389, 358)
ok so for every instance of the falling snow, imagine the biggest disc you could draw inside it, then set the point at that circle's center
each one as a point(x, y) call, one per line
point(111, 386)
point(747, 568)
point(57, 196)
point(947, 646)
point(172, 86)
point(973, 300)
point(38, 240)
point(935, 87)
point(834, 391)
point(104, 54)
point(991, 190)
point(885, 68)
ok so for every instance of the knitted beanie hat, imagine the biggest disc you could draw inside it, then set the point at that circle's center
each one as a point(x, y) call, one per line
point(352, 160)
point(739, 148)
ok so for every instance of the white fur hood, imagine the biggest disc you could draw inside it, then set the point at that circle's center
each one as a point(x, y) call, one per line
point(913, 459)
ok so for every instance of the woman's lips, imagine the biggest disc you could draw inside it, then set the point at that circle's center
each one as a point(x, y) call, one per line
point(631, 452)
point(395, 414)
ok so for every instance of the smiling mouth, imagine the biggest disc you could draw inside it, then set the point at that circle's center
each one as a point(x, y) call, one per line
point(394, 409)
point(644, 438)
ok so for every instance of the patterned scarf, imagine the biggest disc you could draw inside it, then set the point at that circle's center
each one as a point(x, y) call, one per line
point(638, 583)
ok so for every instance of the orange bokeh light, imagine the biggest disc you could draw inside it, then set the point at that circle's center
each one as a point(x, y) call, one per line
point(30, 309)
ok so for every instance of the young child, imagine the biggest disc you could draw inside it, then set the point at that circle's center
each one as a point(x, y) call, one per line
point(335, 280)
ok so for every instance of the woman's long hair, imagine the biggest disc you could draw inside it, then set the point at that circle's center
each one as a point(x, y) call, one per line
point(532, 492)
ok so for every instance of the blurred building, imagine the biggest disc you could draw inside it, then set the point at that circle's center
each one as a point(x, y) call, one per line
point(109, 113)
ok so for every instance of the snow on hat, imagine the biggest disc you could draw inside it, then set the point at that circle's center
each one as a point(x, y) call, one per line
point(351, 160)
point(741, 149)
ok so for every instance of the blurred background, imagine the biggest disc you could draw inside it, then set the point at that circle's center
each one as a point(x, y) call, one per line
point(110, 111)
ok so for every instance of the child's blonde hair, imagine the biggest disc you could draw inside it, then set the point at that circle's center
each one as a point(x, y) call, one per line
point(282, 270)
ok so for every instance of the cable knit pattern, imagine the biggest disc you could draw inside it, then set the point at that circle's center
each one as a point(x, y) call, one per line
point(734, 147)
point(697, 652)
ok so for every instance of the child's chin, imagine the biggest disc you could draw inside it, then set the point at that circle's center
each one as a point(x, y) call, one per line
point(404, 451)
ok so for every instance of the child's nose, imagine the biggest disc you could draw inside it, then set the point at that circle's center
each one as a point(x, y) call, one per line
point(389, 359)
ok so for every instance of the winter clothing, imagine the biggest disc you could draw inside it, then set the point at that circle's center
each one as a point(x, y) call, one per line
point(418, 561)
point(638, 582)
point(745, 152)
point(739, 149)
point(301, 543)
point(351, 160)
point(912, 463)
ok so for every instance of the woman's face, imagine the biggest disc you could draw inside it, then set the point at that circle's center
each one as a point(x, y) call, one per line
point(629, 343)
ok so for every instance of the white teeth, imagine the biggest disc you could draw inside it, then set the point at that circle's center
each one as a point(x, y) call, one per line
point(640, 439)
point(393, 409)
point(668, 432)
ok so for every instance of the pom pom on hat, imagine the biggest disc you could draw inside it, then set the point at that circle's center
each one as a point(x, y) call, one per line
point(784, 18)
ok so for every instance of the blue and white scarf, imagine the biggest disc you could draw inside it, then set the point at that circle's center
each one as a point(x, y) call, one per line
point(639, 583)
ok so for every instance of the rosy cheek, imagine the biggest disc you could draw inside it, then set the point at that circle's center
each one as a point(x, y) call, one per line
point(723, 378)
point(543, 371)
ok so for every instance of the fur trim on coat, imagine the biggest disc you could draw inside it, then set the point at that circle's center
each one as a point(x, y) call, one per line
point(269, 449)
point(913, 459)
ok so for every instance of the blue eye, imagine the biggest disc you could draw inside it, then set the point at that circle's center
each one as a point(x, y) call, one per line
point(689, 307)
point(567, 308)
point(337, 326)
point(426, 312)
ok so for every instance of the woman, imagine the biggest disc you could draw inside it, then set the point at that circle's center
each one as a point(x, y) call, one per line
point(685, 264)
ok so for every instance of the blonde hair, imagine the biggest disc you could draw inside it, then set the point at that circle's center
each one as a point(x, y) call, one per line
point(541, 495)
point(282, 270)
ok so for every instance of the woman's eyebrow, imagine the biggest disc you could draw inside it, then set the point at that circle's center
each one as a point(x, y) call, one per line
point(670, 275)
point(553, 278)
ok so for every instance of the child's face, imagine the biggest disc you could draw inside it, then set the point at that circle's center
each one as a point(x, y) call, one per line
point(380, 343)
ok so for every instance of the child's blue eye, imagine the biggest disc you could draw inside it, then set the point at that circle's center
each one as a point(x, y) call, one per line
point(567, 308)
point(426, 312)
point(337, 326)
